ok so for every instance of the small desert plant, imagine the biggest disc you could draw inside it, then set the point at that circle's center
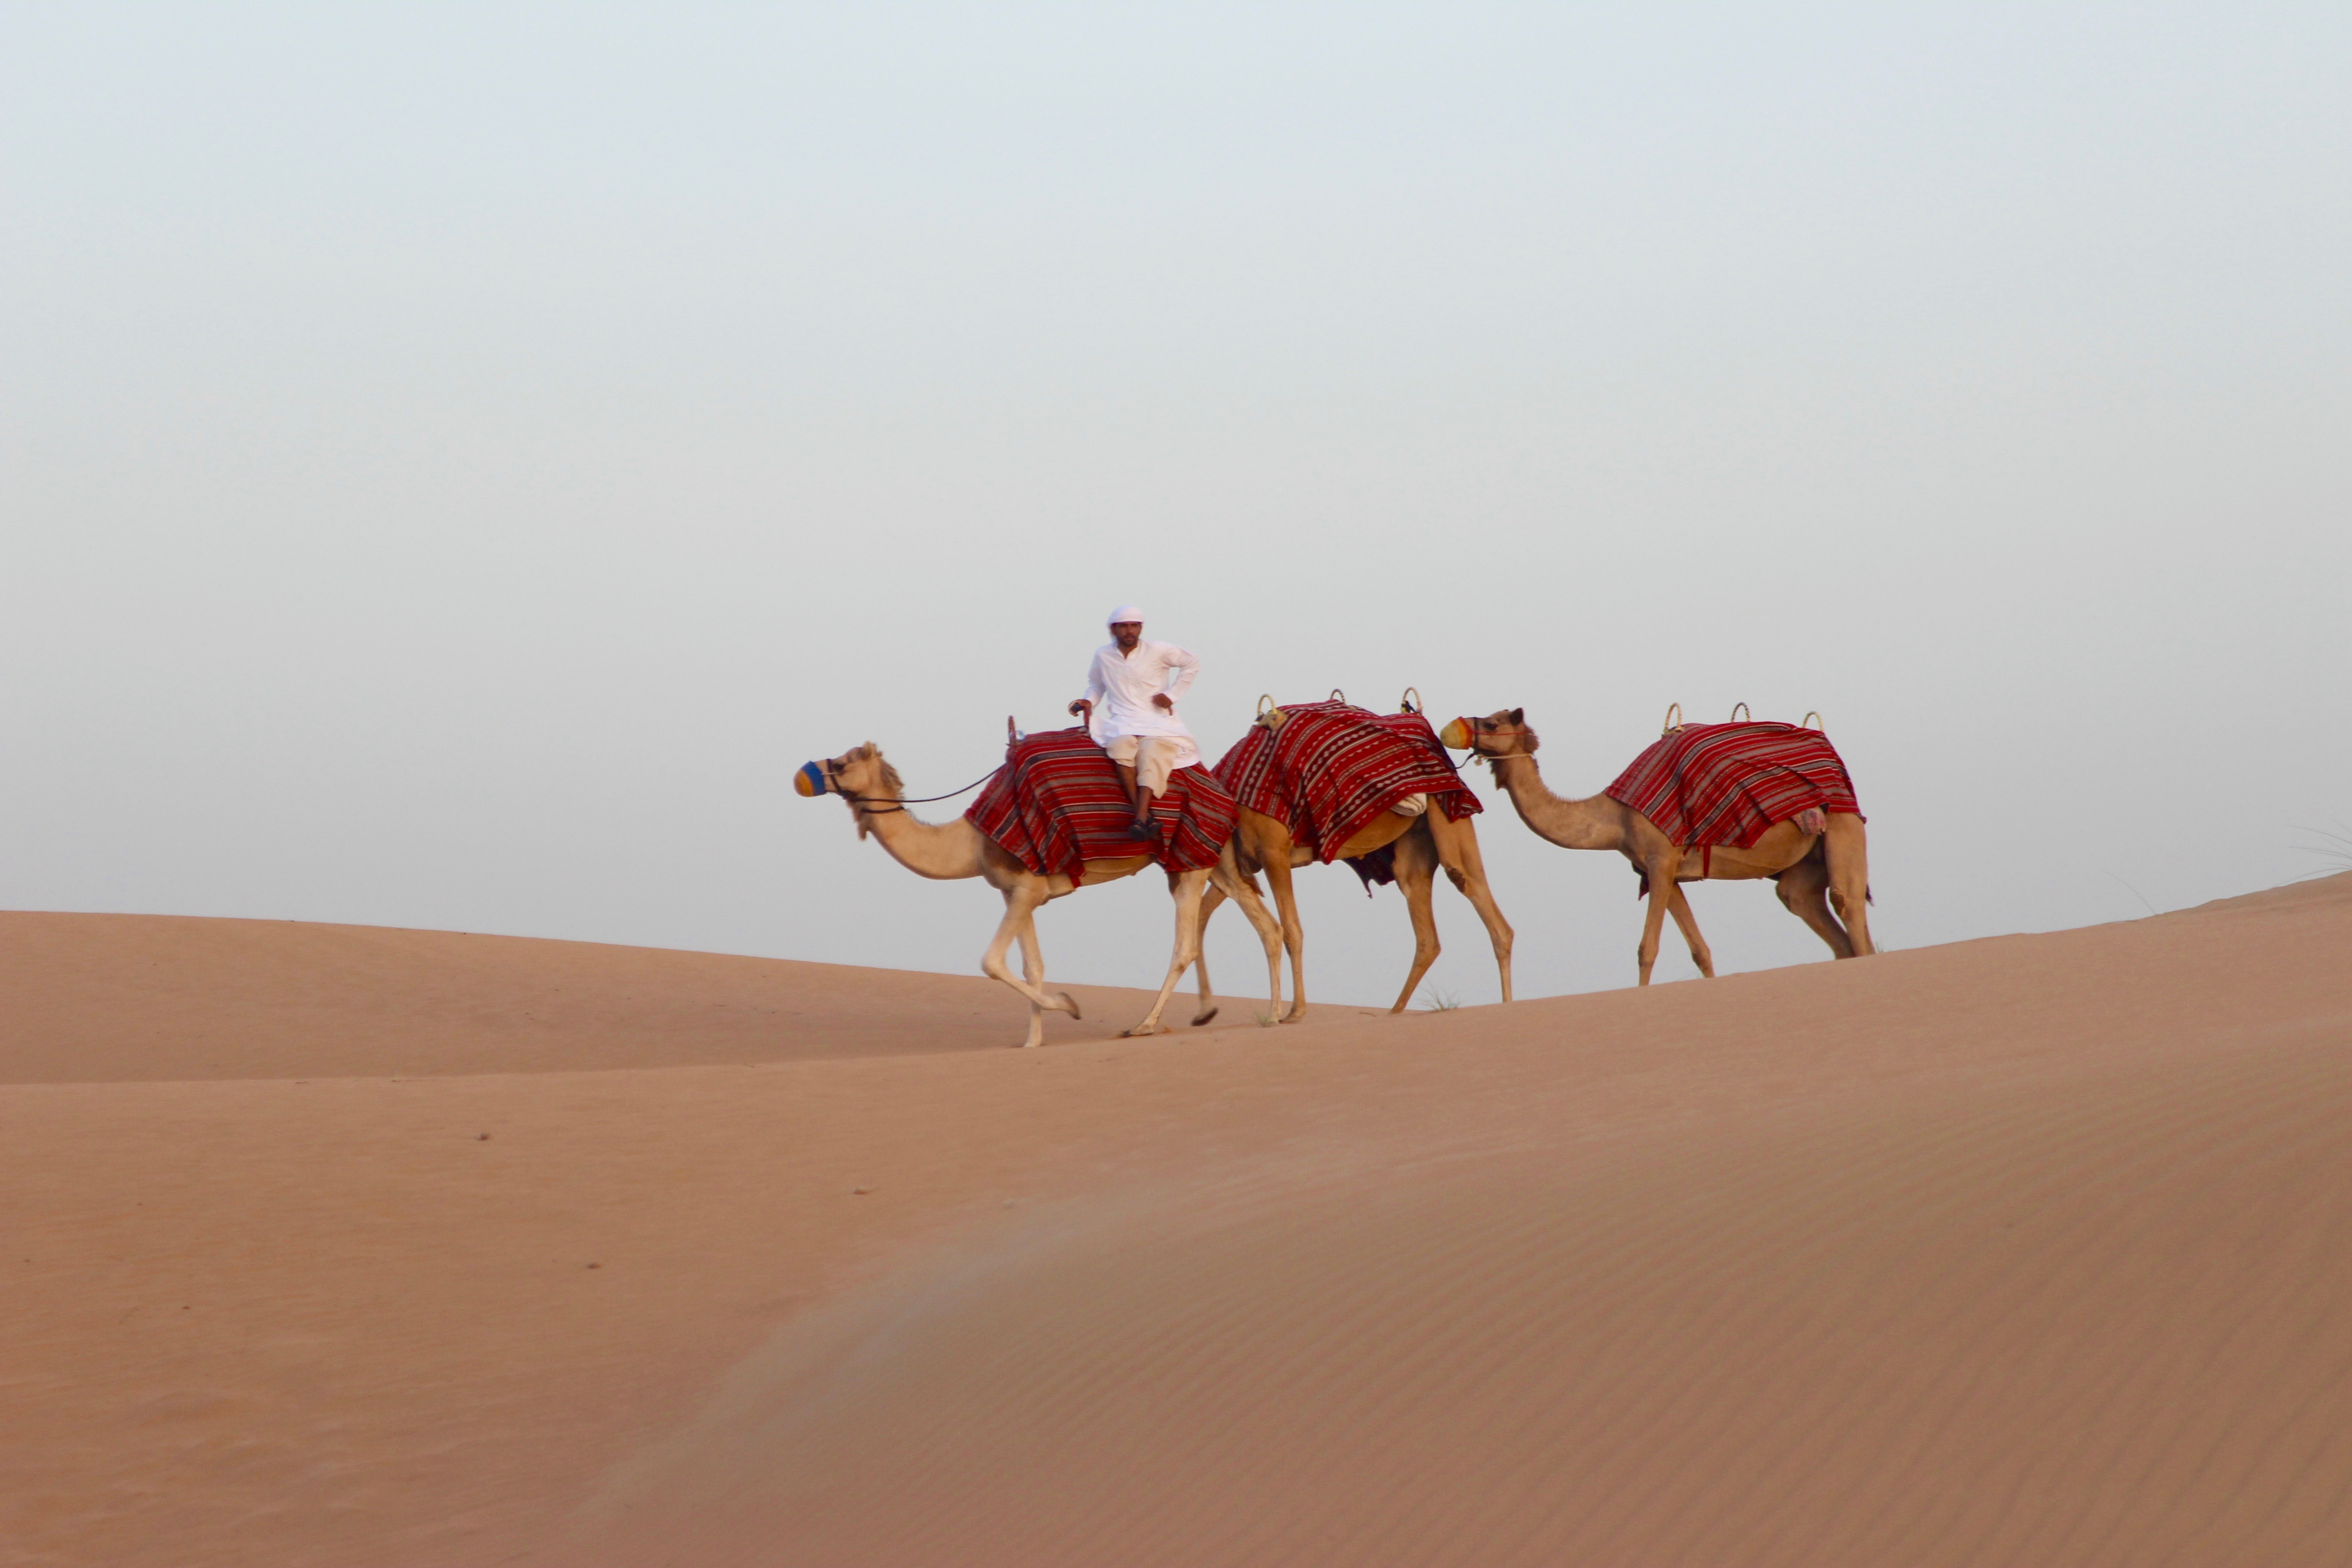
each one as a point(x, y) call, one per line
point(2128, 887)
point(2337, 847)
point(1436, 1000)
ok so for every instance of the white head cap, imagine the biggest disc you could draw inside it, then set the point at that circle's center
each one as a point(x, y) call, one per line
point(1125, 613)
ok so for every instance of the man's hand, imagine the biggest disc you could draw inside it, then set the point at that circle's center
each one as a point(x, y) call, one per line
point(1160, 700)
point(1083, 708)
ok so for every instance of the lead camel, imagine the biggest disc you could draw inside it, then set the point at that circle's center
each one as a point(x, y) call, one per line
point(951, 851)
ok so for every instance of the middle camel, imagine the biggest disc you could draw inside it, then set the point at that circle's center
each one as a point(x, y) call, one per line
point(1330, 780)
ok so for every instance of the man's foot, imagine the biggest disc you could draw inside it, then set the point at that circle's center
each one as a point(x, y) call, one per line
point(1143, 828)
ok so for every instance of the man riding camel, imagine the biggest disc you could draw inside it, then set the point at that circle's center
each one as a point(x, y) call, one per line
point(1130, 710)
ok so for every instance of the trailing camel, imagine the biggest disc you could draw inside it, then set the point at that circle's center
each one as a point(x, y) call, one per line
point(948, 851)
point(1817, 858)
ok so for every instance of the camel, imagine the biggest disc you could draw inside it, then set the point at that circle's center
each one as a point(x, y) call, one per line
point(1423, 842)
point(1813, 869)
point(951, 851)
point(1424, 839)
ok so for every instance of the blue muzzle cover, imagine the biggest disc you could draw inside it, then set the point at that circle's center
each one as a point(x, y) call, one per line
point(809, 783)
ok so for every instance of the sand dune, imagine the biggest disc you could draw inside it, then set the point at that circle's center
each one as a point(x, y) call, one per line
point(2024, 1250)
point(109, 998)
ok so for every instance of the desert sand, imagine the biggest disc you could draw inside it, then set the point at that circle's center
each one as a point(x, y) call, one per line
point(337, 1246)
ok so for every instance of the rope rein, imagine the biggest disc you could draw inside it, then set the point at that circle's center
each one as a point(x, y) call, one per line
point(883, 806)
point(1490, 757)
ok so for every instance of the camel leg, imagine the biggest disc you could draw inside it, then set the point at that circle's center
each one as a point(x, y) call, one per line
point(1416, 875)
point(1187, 888)
point(1293, 936)
point(1660, 867)
point(1021, 903)
point(1244, 892)
point(1686, 919)
point(1804, 889)
point(1847, 849)
point(1208, 998)
point(1032, 969)
point(1456, 843)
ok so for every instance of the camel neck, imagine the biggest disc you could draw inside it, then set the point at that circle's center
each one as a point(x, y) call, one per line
point(943, 851)
point(1572, 824)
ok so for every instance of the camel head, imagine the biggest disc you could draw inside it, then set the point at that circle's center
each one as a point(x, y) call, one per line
point(1499, 734)
point(861, 777)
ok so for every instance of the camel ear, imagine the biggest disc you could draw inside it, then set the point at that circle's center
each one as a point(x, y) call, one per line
point(1518, 715)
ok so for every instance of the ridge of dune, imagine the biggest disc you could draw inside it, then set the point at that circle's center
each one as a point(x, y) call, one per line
point(114, 998)
point(2023, 1249)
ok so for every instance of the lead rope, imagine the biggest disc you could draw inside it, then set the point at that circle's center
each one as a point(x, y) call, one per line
point(928, 799)
point(889, 806)
point(1490, 759)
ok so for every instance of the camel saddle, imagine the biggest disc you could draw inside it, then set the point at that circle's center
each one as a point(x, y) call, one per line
point(1328, 769)
point(1058, 803)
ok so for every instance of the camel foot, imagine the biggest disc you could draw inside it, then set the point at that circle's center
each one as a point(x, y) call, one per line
point(1296, 1015)
point(1070, 1005)
point(1140, 1030)
point(1200, 1018)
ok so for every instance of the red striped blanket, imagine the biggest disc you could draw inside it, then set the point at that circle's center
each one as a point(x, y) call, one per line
point(1725, 784)
point(1058, 804)
point(1333, 767)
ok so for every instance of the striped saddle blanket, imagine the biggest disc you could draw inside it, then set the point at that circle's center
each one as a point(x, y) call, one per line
point(1333, 767)
point(1727, 784)
point(1058, 804)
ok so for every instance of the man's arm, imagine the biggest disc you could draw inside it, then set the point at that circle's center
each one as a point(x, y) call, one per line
point(1094, 686)
point(1181, 668)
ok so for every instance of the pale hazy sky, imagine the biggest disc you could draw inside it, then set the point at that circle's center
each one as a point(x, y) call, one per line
point(457, 460)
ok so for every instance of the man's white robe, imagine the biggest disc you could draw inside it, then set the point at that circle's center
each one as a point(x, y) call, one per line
point(1121, 687)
